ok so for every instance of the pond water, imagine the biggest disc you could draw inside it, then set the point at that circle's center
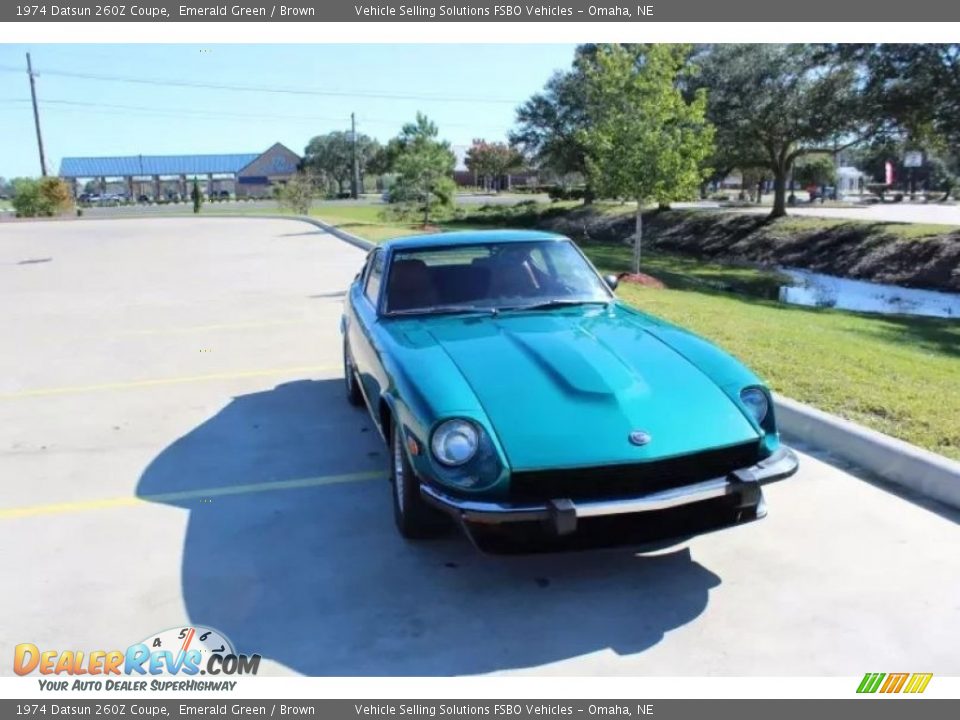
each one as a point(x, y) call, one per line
point(817, 290)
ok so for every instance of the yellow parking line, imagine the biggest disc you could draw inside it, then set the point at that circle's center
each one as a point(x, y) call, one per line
point(199, 494)
point(70, 389)
point(221, 326)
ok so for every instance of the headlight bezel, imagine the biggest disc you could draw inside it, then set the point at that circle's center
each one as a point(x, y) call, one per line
point(748, 398)
point(460, 426)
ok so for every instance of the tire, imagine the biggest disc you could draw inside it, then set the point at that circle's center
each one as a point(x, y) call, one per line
point(415, 519)
point(354, 396)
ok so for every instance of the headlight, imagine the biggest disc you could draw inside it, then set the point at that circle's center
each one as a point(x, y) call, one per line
point(756, 401)
point(454, 442)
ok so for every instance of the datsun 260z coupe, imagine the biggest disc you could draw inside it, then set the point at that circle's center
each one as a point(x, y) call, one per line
point(513, 387)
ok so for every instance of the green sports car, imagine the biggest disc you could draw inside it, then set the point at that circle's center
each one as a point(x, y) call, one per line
point(512, 387)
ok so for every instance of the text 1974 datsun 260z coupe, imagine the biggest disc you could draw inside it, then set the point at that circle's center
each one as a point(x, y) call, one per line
point(513, 387)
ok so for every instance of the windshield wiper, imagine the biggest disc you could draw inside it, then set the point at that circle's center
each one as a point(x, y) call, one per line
point(555, 303)
point(443, 310)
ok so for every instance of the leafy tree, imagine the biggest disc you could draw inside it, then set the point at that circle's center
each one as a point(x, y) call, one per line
point(550, 125)
point(815, 170)
point(491, 161)
point(425, 168)
point(645, 140)
point(298, 193)
point(916, 86)
point(379, 162)
point(331, 156)
point(772, 104)
point(45, 197)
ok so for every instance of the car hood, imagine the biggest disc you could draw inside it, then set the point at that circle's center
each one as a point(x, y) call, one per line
point(567, 387)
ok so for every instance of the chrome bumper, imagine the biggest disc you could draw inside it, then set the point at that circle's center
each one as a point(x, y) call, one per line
point(564, 512)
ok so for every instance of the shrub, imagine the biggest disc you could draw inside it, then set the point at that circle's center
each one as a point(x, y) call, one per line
point(559, 192)
point(197, 197)
point(297, 194)
point(41, 198)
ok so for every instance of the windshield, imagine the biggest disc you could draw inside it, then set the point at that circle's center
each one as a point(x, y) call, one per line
point(491, 276)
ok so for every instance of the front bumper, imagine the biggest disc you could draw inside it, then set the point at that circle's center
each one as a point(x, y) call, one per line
point(563, 513)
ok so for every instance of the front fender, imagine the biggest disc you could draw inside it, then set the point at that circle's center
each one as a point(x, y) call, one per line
point(425, 388)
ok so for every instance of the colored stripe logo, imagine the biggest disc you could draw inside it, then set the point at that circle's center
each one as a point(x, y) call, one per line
point(894, 683)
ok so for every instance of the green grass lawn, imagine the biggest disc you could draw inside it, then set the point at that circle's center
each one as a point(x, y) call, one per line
point(899, 375)
point(682, 272)
point(793, 224)
point(365, 221)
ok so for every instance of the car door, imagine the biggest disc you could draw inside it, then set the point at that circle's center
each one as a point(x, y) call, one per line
point(362, 332)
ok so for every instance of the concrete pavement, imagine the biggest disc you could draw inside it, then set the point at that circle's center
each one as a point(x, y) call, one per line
point(175, 447)
point(931, 213)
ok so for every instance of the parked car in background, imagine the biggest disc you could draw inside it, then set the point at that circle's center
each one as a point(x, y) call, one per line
point(513, 388)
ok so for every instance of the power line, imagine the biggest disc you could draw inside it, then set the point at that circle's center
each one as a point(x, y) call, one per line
point(265, 89)
point(107, 108)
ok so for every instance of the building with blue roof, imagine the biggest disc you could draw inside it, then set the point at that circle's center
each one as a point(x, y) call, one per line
point(159, 176)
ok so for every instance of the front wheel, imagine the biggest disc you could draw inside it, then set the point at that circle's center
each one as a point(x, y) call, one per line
point(414, 518)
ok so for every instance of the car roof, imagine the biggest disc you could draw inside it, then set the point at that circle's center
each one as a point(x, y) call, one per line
point(469, 237)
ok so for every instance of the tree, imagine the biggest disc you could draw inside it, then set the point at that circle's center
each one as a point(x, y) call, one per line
point(645, 141)
point(196, 196)
point(550, 124)
point(491, 161)
point(45, 197)
point(816, 170)
point(425, 168)
point(772, 104)
point(298, 193)
point(331, 156)
point(916, 86)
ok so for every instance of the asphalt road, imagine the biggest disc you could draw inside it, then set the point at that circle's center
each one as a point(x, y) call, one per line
point(887, 212)
point(175, 448)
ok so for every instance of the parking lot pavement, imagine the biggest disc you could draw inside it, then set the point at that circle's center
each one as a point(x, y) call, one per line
point(175, 447)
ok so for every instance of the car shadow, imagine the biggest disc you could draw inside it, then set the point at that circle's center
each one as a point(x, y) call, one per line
point(314, 576)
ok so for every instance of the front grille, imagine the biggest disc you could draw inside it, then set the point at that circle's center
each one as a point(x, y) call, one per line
point(612, 481)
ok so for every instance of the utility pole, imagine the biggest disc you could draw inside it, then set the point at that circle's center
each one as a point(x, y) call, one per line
point(355, 184)
point(36, 116)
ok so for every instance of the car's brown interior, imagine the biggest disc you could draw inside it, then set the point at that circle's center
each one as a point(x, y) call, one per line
point(414, 284)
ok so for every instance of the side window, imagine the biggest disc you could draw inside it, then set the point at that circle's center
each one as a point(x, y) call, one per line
point(374, 276)
point(362, 275)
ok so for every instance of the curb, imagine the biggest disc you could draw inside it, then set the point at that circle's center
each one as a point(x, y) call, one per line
point(899, 462)
point(896, 461)
point(331, 229)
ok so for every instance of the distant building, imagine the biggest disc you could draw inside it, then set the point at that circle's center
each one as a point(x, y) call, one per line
point(464, 177)
point(160, 176)
point(850, 179)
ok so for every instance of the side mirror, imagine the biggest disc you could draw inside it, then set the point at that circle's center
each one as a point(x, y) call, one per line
point(612, 281)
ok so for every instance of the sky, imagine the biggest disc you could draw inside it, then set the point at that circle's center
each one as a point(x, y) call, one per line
point(88, 106)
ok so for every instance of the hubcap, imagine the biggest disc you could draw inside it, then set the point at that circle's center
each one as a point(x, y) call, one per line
point(398, 474)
